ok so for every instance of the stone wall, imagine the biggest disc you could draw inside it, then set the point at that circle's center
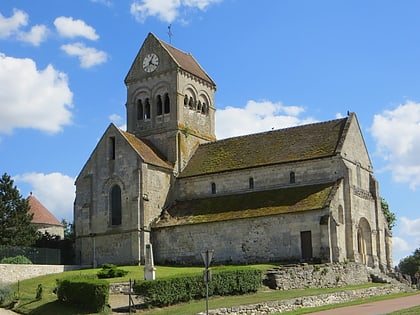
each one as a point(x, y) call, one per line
point(317, 276)
point(11, 273)
point(274, 307)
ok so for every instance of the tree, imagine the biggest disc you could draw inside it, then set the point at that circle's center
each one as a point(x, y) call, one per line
point(15, 221)
point(411, 264)
point(389, 216)
point(68, 230)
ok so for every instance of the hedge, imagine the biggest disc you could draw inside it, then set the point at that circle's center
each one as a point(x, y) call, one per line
point(89, 294)
point(183, 289)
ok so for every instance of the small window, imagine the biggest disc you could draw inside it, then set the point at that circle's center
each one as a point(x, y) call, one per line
point(358, 175)
point(115, 205)
point(112, 148)
point(340, 214)
point(213, 188)
point(140, 114)
point(159, 105)
point(251, 183)
point(292, 178)
point(186, 100)
point(204, 108)
point(167, 103)
point(147, 109)
point(199, 106)
point(191, 103)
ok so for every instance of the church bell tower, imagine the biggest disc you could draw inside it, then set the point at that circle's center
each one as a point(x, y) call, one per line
point(170, 101)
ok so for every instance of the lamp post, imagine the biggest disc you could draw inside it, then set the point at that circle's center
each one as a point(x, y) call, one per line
point(207, 257)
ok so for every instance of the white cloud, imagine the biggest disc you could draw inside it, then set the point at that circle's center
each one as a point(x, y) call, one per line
point(55, 191)
point(35, 36)
point(397, 133)
point(257, 117)
point(70, 28)
point(11, 26)
point(106, 3)
point(399, 244)
point(165, 10)
point(32, 98)
point(88, 56)
point(410, 227)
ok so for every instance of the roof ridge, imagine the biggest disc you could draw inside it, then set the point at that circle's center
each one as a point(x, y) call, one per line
point(275, 130)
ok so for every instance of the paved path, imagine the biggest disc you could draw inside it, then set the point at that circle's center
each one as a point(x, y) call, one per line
point(6, 312)
point(375, 308)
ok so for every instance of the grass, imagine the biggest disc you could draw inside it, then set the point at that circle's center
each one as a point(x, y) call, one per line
point(48, 305)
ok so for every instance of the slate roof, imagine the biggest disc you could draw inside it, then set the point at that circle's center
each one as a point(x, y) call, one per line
point(145, 150)
point(187, 62)
point(41, 214)
point(279, 146)
point(250, 205)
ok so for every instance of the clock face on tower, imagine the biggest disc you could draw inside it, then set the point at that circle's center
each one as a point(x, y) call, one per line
point(150, 62)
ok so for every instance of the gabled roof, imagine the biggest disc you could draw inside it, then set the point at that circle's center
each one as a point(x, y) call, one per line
point(145, 150)
point(279, 146)
point(181, 59)
point(41, 214)
point(187, 62)
point(250, 205)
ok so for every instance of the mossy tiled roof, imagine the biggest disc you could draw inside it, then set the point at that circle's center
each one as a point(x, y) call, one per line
point(250, 205)
point(145, 150)
point(273, 147)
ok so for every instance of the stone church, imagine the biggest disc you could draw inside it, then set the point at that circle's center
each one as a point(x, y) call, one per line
point(306, 193)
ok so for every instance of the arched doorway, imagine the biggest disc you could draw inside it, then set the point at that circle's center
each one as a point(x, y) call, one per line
point(364, 242)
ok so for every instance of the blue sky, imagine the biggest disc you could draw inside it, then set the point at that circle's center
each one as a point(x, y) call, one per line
point(276, 64)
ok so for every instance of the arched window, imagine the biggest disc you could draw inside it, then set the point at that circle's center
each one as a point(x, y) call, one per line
point(158, 105)
point(251, 183)
point(115, 203)
point(147, 109)
point(199, 106)
point(140, 114)
point(191, 103)
point(167, 104)
point(186, 100)
point(204, 108)
point(292, 177)
point(213, 188)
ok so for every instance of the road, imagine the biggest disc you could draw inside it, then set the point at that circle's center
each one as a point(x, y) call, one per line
point(375, 308)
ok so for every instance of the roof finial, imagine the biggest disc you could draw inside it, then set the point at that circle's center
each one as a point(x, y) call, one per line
point(170, 33)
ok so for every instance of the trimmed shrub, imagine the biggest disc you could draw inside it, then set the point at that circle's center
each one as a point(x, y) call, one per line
point(6, 295)
point(183, 289)
point(20, 259)
point(111, 271)
point(89, 294)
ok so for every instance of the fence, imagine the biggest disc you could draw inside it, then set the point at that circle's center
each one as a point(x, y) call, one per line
point(40, 256)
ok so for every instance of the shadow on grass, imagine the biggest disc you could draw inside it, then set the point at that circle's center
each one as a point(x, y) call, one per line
point(56, 307)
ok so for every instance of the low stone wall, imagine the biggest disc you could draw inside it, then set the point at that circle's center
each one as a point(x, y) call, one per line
point(316, 276)
point(307, 301)
point(11, 273)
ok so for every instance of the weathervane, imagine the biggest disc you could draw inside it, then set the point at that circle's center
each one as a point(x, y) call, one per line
point(170, 33)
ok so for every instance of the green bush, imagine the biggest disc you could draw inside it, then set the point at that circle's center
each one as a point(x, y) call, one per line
point(6, 295)
point(89, 294)
point(183, 289)
point(111, 271)
point(20, 259)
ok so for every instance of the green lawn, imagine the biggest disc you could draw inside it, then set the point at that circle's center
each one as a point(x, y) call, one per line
point(49, 305)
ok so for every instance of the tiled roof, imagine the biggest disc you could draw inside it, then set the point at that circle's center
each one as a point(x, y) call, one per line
point(278, 146)
point(41, 214)
point(146, 152)
point(250, 205)
point(187, 62)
